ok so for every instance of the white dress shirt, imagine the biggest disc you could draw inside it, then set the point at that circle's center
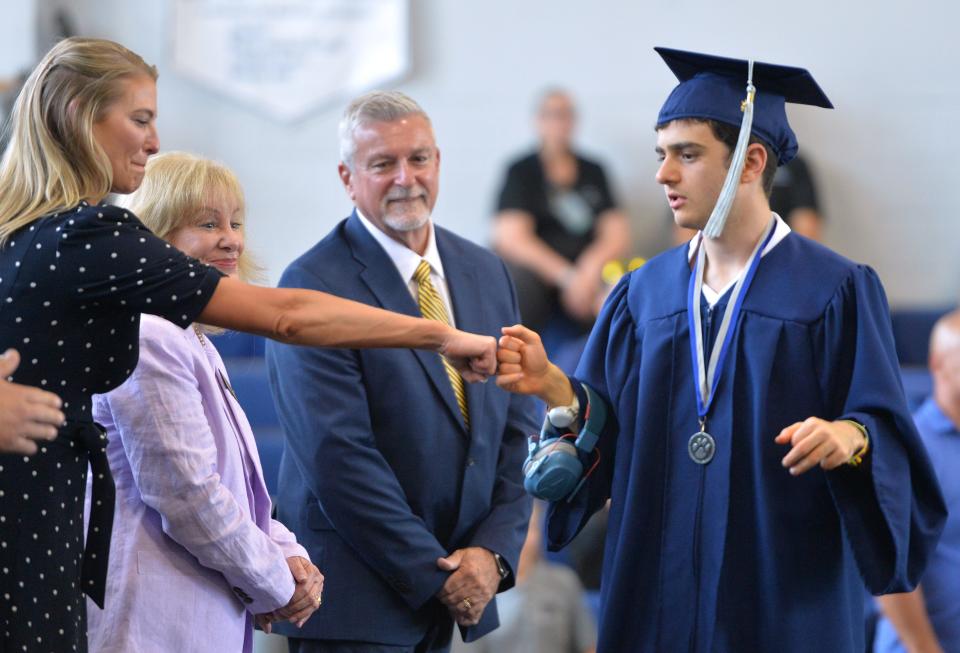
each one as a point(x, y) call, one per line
point(712, 296)
point(406, 261)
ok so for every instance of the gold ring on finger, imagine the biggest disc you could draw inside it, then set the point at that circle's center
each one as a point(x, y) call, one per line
point(467, 604)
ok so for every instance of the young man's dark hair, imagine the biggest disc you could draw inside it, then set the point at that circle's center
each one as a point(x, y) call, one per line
point(728, 134)
point(754, 495)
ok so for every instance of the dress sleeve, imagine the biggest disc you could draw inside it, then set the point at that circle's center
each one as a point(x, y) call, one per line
point(107, 256)
point(891, 506)
point(609, 365)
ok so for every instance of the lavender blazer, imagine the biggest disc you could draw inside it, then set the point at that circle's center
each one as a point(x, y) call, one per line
point(194, 553)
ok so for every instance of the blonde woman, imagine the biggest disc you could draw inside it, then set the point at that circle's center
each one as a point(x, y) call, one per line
point(194, 555)
point(75, 276)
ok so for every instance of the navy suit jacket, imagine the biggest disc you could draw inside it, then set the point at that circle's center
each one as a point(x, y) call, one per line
point(379, 476)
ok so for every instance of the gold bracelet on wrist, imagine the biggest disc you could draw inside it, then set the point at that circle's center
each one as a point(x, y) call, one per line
point(857, 458)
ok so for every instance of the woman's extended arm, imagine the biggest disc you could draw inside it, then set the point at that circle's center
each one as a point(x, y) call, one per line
point(308, 317)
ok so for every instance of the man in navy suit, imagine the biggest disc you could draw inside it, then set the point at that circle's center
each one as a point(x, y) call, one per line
point(403, 482)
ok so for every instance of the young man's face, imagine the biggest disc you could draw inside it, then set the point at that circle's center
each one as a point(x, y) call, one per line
point(693, 166)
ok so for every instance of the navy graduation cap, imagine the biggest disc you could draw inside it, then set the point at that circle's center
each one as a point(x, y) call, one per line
point(714, 87)
point(746, 94)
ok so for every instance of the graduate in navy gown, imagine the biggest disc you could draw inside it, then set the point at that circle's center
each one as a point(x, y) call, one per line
point(757, 446)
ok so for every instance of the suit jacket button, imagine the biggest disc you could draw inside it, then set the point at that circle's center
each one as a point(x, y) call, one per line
point(471, 462)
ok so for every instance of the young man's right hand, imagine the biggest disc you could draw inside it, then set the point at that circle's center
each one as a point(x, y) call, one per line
point(525, 369)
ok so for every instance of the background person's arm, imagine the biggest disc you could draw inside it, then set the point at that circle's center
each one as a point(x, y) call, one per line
point(907, 613)
point(516, 241)
point(581, 295)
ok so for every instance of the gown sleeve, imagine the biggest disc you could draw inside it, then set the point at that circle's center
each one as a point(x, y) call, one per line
point(609, 365)
point(891, 506)
point(109, 257)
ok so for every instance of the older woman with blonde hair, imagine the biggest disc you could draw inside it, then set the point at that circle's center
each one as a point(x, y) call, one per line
point(195, 555)
point(76, 274)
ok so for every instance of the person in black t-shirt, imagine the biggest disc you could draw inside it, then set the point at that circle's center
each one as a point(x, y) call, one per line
point(794, 198)
point(557, 223)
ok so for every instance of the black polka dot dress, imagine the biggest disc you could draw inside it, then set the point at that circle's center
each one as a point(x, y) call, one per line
point(72, 288)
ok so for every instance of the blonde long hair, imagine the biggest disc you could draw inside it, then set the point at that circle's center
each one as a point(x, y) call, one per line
point(176, 186)
point(52, 161)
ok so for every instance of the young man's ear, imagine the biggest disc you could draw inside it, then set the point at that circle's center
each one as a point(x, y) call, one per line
point(754, 163)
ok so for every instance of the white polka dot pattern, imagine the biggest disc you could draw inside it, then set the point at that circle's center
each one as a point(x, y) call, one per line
point(67, 309)
point(73, 311)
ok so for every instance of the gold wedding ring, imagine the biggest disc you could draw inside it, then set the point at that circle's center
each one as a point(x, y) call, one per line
point(467, 604)
point(319, 600)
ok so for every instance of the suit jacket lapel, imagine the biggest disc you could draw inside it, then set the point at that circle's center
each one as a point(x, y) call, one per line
point(380, 275)
point(465, 295)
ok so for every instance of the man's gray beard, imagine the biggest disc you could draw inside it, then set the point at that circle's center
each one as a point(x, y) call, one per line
point(404, 224)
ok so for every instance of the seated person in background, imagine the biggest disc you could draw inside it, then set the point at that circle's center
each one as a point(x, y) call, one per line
point(26, 414)
point(545, 612)
point(928, 618)
point(585, 551)
point(194, 554)
point(557, 223)
point(794, 198)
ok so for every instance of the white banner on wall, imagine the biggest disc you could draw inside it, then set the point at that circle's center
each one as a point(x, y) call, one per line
point(289, 57)
point(18, 34)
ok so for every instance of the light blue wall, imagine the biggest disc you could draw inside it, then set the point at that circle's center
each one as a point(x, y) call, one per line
point(16, 37)
point(886, 159)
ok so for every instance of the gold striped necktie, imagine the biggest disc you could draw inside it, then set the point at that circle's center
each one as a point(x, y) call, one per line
point(432, 308)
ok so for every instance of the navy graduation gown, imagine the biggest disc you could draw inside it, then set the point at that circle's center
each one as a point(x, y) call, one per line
point(739, 555)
